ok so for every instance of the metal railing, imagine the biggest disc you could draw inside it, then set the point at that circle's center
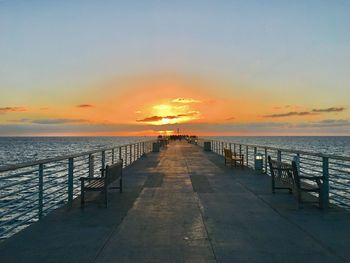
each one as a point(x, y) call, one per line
point(335, 169)
point(30, 191)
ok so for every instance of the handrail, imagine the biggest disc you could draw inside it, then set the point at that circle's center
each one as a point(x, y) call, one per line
point(58, 178)
point(334, 168)
point(333, 156)
point(58, 158)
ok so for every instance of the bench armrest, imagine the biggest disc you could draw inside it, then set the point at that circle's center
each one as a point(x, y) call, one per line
point(312, 177)
point(91, 178)
point(282, 169)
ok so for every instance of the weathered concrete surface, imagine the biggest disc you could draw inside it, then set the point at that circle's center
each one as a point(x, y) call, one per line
point(184, 205)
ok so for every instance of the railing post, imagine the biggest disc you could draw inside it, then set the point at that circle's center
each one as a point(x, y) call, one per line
point(234, 148)
point(240, 149)
point(70, 179)
point(266, 160)
point(230, 147)
point(41, 190)
point(130, 154)
point(91, 165)
point(120, 152)
point(254, 157)
point(143, 148)
point(103, 159)
point(325, 185)
point(246, 150)
point(113, 155)
point(222, 148)
point(135, 151)
point(279, 156)
point(279, 159)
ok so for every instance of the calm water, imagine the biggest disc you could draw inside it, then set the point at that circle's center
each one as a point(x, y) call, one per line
point(14, 150)
point(23, 149)
point(336, 145)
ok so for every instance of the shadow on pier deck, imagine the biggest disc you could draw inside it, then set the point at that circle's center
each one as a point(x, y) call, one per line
point(184, 205)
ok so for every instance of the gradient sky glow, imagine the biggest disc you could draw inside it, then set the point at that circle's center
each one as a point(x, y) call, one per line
point(149, 67)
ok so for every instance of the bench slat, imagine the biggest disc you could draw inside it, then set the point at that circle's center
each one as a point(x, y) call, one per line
point(111, 173)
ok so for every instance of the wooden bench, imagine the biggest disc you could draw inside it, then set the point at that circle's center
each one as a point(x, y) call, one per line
point(281, 175)
point(286, 176)
point(101, 184)
point(233, 158)
point(308, 184)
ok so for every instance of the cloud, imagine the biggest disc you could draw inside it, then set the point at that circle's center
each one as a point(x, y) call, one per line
point(20, 120)
point(12, 109)
point(332, 109)
point(304, 113)
point(57, 121)
point(169, 117)
point(157, 118)
point(49, 121)
point(189, 114)
point(85, 106)
point(288, 114)
point(230, 119)
point(323, 124)
point(185, 100)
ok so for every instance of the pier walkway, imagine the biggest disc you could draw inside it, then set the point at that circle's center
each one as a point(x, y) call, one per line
point(184, 205)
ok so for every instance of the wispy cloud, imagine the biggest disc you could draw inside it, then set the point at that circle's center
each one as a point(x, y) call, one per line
point(57, 121)
point(156, 118)
point(323, 124)
point(332, 109)
point(86, 106)
point(185, 100)
point(230, 119)
point(288, 114)
point(49, 121)
point(169, 117)
point(305, 113)
point(12, 109)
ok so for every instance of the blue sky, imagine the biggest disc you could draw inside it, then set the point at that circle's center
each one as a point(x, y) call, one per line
point(295, 52)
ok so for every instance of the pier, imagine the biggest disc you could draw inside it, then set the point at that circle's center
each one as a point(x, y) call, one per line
point(184, 205)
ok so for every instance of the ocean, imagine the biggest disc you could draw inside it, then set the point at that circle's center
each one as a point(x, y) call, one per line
point(15, 150)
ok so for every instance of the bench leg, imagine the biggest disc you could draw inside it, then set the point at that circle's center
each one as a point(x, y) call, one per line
point(106, 196)
point(82, 196)
point(320, 195)
point(121, 185)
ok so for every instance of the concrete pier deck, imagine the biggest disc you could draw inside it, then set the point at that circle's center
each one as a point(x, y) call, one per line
point(184, 205)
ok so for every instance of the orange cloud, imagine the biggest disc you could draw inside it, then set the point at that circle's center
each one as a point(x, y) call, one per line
point(288, 114)
point(185, 100)
point(85, 106)
point(12, 109)
point(332, 109)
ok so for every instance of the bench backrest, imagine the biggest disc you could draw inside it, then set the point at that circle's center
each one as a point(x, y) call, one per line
point(296, 174)
point(114, 171)
point(282, 171)
point(228, 153)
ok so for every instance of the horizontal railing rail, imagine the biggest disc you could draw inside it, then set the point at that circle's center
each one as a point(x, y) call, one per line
point(335, 169)
point(31, 190)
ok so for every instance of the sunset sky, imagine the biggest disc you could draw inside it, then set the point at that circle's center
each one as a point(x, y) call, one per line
point(149, 67)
